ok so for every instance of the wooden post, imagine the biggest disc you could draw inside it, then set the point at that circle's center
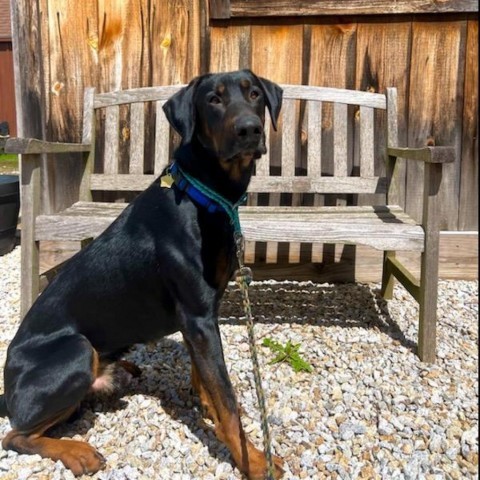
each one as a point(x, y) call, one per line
point(392, 197)
point(429, 265)
point(88, 137)
point(30, 194)
point(30, 123)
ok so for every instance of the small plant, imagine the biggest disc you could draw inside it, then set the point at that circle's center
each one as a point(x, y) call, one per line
point(288, 353)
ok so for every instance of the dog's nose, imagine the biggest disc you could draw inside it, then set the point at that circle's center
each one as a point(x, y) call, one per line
point(248, 126)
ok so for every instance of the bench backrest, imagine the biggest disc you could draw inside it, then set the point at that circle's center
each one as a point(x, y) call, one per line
point(329, 141)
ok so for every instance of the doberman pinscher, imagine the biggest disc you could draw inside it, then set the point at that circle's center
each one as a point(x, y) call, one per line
point(161, 267)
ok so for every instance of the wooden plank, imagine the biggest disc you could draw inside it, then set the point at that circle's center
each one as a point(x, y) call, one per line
point(176, 41)
point(89, 134)
point(112, 136)
point(262, 167)
point(314, 139)
point(268, 42)
point(289, 138)
point(69, 63)
point(219, 8)
point(436, 82)
point(340, 140)
point(333, 94)
point(367, 142)
point(135, 45)
point(229, 47)
point(162, 139)
point(30, 108)
point(33, 145)
point(377, 43)
point(425, 154)
point(468, 210)
point(396, 237)
point(458, 261)
point(381, 233)
point(269, 8)
point(324, 185)
point(332, 65)
point(396, 268)
point(429, 264)
point(145, 94)
point(137, 137)
point(124, 182)
point(30, 209)
point(88, 116)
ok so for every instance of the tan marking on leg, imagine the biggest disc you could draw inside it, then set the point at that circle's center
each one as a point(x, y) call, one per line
point(229, 430)
point(79, 457)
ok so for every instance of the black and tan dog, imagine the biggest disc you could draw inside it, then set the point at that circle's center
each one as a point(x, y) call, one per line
point(161, 267)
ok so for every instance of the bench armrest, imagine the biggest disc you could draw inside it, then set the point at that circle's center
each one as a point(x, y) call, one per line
point(424, 154)
point(35, 146)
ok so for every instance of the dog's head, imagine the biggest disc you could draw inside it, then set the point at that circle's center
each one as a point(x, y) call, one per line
point(225, 113)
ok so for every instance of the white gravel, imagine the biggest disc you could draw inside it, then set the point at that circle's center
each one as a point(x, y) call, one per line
point(370, 409)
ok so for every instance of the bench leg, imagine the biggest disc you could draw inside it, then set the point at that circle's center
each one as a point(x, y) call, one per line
point(427, 332)
point(388, 279)
point(30, 276)
point(30, 258)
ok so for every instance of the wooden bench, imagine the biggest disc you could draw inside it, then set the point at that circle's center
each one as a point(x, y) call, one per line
point(331, 144)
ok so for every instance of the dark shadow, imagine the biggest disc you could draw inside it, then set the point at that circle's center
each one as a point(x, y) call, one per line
point(316, 304)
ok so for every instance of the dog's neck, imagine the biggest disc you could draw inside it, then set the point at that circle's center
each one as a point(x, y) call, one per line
point(229, 178)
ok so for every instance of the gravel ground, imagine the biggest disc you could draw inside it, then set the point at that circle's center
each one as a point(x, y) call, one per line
point(370, 409)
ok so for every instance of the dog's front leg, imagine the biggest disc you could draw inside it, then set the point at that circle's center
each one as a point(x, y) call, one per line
point(212, 383)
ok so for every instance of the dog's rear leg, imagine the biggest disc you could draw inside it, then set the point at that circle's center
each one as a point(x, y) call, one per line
point(210, 380)
point(80, 457)
point(44, 385)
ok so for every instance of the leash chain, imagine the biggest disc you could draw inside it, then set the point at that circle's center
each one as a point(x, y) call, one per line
point(244, 277)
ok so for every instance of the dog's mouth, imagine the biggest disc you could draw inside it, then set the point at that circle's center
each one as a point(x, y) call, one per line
point(253, 152)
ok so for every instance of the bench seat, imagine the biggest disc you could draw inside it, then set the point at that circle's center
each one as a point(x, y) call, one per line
point(382, 227)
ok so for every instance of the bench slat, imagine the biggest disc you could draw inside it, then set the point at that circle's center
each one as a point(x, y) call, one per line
point(162, 139)
point(314, 138)
point(303, 92)
point(136, 183)
point(262, 167)
point(340, 131)
point(133, 95)
point(288, 138)
point(366, 142)
point(137, 137)
point(111, 140)
point(338, 95)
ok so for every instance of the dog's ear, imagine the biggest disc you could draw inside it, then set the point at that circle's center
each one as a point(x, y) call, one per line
point(273, 97)
point(180, 110)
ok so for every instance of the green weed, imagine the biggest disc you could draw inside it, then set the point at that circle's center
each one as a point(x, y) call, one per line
point(287, 353)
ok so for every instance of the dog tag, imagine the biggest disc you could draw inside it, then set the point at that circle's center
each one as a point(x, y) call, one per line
point(166, 181)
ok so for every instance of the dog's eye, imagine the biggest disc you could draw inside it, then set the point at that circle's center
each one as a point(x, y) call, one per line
point(254, 94)
point(214, 100)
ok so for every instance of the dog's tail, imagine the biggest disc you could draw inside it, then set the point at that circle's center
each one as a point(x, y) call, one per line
point(3, 406)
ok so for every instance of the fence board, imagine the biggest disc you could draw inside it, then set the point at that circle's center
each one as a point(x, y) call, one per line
point(468, 213)
point(269, 42)
point(383, 60)
point(434, 109)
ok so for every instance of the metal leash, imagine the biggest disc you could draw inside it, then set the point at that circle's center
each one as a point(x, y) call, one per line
point(244, 277)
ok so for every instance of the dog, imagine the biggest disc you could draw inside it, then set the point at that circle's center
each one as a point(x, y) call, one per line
point(161, 267)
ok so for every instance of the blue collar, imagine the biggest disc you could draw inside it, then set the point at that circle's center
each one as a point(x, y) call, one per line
point(205, 196)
